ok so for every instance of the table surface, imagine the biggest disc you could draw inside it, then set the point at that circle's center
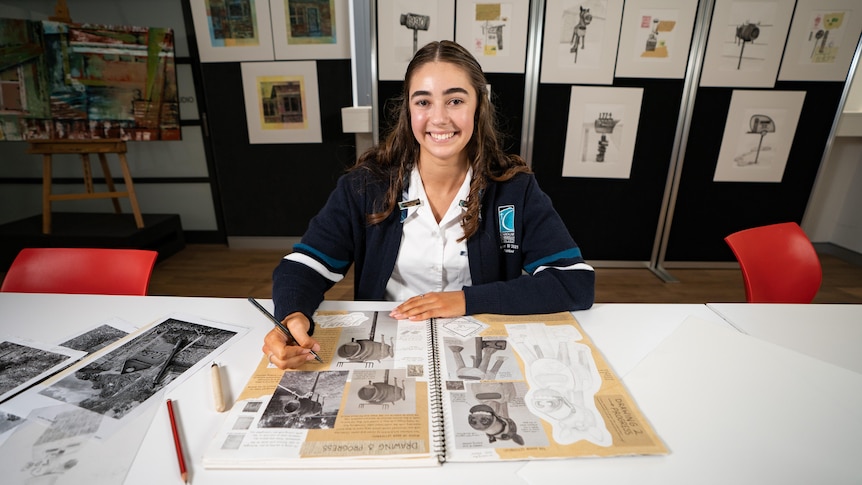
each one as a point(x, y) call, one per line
point(666, 354)
point(832, 333)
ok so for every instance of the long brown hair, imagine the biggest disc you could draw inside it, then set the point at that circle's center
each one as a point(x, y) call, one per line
point(393, 158)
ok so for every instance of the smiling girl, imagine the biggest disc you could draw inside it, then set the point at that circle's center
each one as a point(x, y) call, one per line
point(437, 216)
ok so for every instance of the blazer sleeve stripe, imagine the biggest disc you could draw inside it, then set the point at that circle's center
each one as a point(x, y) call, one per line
point(332, 262)
point(577, 266)
point(571, 253)
point(315, 265)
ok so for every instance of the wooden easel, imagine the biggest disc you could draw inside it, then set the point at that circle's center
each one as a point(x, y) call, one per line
point(48, 148)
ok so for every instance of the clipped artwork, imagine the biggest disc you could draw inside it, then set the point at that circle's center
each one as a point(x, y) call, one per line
point(746, 41)
point(310, 29)
point(822, 41)
point(232, 30)
point(495, 33)
point(403, 26)
point(282, 103)
point(655, 38)
point(580, 41)
point(87, 81)
point(603, 125)
point(758, 135)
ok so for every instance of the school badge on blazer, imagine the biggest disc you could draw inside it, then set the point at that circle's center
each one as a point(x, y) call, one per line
point(506, 219)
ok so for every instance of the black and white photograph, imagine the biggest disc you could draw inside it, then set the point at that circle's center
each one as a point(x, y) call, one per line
point(98, 337)
point(381, 391)
point(305, 400)
point(24, 363)
point(117, 383)
point(480, 359)
point(368, 345)
point(496, 415)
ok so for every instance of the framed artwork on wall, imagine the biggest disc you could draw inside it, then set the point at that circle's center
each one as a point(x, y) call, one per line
point(603, 126)
point(758, 135)
point(822, 40)
point(580, 41)
point(655, 38)
point(233, 30)
point(282, 104)
point(495, 33)
point(403, 26)
point(310, 29)
point(745, 43)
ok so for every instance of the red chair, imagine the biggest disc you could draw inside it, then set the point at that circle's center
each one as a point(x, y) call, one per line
point(778, 262)
point(81, 270)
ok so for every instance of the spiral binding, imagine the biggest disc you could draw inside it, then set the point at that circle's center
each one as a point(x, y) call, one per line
point(438, 437)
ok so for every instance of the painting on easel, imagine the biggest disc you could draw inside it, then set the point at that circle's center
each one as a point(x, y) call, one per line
point(63, 80)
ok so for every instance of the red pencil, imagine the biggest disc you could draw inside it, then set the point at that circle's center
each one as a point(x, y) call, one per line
point(182, 461)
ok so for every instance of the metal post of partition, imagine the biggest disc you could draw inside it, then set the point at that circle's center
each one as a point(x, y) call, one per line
point(531, 80)
point(364, 67)
point(692, 79)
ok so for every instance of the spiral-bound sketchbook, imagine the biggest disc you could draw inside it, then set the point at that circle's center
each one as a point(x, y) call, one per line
point(396, 393)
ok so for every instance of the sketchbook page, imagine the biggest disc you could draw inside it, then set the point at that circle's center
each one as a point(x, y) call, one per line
point(533, 387)
point(366, 405)
point(735, 409)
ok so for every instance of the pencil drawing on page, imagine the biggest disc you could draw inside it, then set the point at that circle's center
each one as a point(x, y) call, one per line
point(563, 381)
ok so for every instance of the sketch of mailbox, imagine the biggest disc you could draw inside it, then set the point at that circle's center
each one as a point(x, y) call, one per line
point(382, 393)
point(760, 124)
point(415, 22)
point(367, 350)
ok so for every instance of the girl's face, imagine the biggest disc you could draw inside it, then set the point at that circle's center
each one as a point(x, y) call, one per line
point(442, 108)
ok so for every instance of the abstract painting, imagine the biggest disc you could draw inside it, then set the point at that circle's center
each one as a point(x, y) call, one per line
point(86, 81)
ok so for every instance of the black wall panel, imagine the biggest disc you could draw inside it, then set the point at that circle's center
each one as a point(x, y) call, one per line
point(707, 211)
point(610, 219)
point(275, 189)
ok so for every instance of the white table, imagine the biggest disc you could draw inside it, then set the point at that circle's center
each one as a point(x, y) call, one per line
point(641, 342)
point(829, 332)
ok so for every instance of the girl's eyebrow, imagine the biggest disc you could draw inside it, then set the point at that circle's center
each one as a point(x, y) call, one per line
point(447, 92)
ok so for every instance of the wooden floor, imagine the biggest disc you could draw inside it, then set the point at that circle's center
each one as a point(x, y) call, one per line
point(216, 270)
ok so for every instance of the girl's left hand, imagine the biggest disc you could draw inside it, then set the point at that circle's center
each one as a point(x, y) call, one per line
point(444, 304)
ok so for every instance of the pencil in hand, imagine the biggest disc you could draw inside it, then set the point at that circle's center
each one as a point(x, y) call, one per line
point(280, 325)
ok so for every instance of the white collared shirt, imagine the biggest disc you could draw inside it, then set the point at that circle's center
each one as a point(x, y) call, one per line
point(430, 257)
